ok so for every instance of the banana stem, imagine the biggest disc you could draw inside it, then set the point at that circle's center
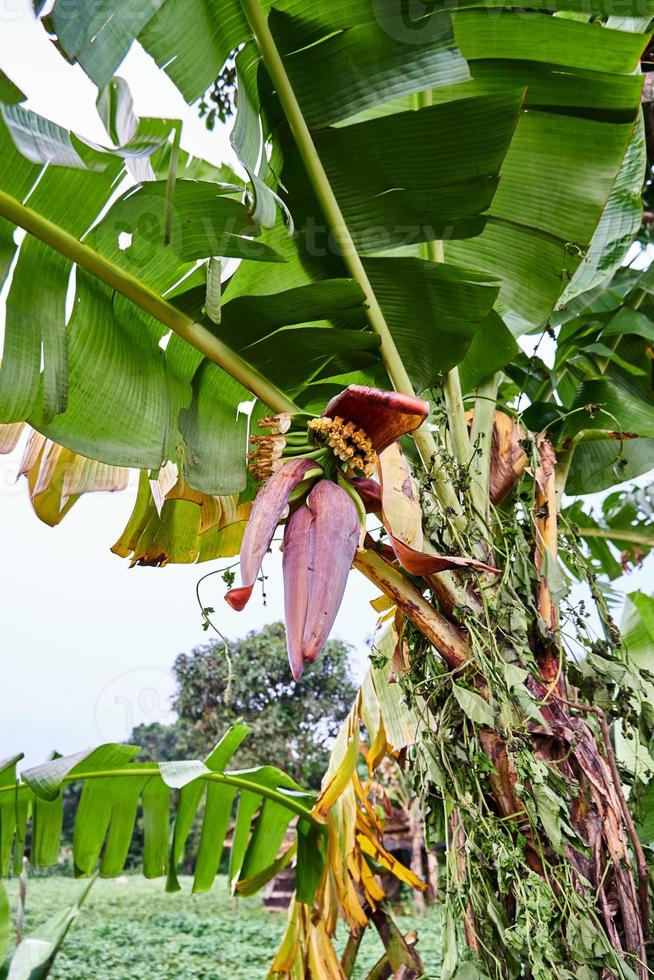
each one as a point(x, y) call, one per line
point(448, 639)
point(481, 438)
point(456, 420)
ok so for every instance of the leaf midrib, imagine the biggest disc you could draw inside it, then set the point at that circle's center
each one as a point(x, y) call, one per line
point(214, 777)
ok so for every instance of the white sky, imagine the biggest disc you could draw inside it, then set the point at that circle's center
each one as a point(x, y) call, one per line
point(87, 644)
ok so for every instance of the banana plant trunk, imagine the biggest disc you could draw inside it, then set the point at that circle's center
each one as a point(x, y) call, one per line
point(516, 772)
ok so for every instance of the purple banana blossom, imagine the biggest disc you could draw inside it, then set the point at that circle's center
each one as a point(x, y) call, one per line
point(322, 533)
point(320, 541)
point(270, 503)
point(370, 493)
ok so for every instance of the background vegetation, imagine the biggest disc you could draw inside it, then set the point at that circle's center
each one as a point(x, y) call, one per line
point(132, 929)
point(291, 725)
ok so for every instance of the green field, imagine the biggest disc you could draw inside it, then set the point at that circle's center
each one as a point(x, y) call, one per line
point(131, 928)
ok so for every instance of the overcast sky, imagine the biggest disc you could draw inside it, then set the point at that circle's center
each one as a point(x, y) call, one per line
point(87, 643)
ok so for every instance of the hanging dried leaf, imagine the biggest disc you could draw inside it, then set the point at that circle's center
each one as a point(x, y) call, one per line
point(402, 516)
point(188, 527)
point(10, 433)
point(400, 502)
point(508, 459)
point(58, 477)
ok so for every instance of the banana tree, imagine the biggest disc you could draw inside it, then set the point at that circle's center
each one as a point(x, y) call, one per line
point(423, 188)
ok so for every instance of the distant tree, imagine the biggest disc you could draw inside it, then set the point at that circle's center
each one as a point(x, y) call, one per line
point(164, 743)
point(292, 725)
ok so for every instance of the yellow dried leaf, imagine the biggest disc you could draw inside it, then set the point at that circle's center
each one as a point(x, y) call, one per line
point(181, 526)
point(369, 712)
point(362, 796)
point(289, 950)
point(374, 892)
point(342, 763)
point(400, 501)
point(222, 542)
point(352, 909)
point(386, 617)
point(382, 603)
point(378, 749)
point(84, 475)
point(341, 843)
point(370, 846)
point(57, 477)
point(10, 433)
point(324, 964)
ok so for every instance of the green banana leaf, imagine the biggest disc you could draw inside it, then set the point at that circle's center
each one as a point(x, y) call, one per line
point(116, 790)
point(524, 165)
point(637, 630)
point(603, 413)
point(620, 535)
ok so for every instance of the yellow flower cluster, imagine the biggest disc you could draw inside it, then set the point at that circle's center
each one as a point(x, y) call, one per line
point(266, 458)
point(278, 424)
point(348, 442)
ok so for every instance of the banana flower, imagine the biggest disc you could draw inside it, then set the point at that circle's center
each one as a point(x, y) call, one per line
point(318, 479)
